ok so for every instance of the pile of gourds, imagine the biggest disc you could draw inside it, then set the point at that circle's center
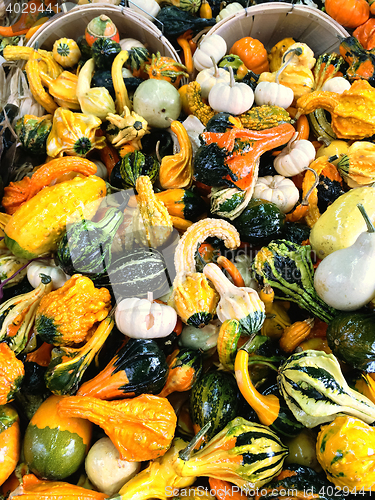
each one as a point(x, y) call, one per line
point(187, 273)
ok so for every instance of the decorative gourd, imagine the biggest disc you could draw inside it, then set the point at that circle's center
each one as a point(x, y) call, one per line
point(51, 208)
point(235, 302)
point(327, 236)
point(278, 190)
point(295, 157)
point(136, 61)
point(185, 367)
point(121, 93)
point(337, 84)
point(105, 469)
point(351, 14)
point(65, 316)
point(130, 43)
point(144, 319)
point(139, 367)
point(235, 62)
point(264, 117)
point(230, 454)
point(316, 391)
point(277, 52)
point(350, 111)
point(11, 374)
point(191, 99)
point(193, 298)
point(104, 51)
point(209, 77)
point(141, 428)
point(93, 101)
point(101, 27)
point(147, 8)
point(333, 148)
point(205, 10)
point(66, 52)
point(365, 33)
point(177, 171)
point(166, 68)
point(67, 366)
point(160, 476)
point(344, 278)
point(349, 335)
point(229, 202)
point(356, 165)
point(32, 69)
point(63, 89)
point(182, 203)
point(85, 248)
point(10, 438)
point(12, 269)
point(294, 334)
point(211, 46)
point(158, 101)
point(125, 128)
point(203, 339)
point(234, 98)
point(271, 266)
point(33, 131)
point(46, 267)
point(230, 9)
point(252, 53)
point(215, 399)
point(73, 134)
point(55, 446)
point(344, 450)
point(17, 315)
point(101, 170)
point(32, 487)
point(133, 165)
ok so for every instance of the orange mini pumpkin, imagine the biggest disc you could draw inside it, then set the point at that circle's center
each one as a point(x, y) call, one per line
point(348, 13)
point(166, 68)
point(252, 53)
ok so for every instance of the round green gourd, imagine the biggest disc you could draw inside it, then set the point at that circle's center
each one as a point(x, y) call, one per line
point(214, 398)
point(55, 447)
point(125, 173)
point(260, 222)
point(104, 51)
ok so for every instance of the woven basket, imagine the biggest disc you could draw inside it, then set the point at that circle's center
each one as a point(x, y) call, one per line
point(271, 22)
point(129, 23)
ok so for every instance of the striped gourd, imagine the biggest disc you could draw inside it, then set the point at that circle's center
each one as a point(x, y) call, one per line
point(135, 274)
point(316, 392)
point(126, 172)
point(247, 454)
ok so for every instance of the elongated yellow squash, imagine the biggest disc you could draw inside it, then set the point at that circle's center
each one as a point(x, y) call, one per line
point(37, 226)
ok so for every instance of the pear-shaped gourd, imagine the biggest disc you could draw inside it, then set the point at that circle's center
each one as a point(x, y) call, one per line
point(346, 278)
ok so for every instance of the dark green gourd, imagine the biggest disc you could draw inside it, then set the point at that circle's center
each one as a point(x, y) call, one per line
point(86, 246)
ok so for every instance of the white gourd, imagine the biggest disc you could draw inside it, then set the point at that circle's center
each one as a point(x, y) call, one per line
point(147, 8)
point(295, 157)
point(336, 84)
point(213, 45)
point(230, 9)
point(234, 98)
point(144, 319)
point(129, 43)
point(277, 189)
point(47, 267)
point(106, 470)
point(209, 77)
point(101, 170)
point(345, 279)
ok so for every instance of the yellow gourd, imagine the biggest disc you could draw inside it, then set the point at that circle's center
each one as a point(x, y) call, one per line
point(66, 52)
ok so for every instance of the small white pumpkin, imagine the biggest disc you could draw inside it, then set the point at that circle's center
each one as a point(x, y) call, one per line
point(336, 84)
point(230, 9)
point(144, 319)
point(101, 169)
point(295, 157)
point(147, 8)
point(278, 189)
point(211, 46)
point(209, 77)
point(47, 267)
point(130, 43)
point(234, 98)
point(273, 93)
point(106, 470)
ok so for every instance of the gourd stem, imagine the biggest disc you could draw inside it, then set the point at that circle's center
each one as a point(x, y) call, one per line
point(369, 224)
point(332, 158)
point(305, 200)
point(295, 52)
point(232, 81)
point(216, 69)
point(186, 452)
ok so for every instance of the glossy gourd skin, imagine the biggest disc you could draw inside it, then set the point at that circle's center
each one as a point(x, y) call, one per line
point(10, 439)
point(55, 446)
point(342, 223)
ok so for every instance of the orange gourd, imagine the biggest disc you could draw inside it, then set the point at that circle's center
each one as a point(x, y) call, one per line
point(348, 13)
point(294, 334)
point(166, 68)
point(365, 34)
point(11, 373)
point(141, 428)
point(9, 441)
point(252, 53)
